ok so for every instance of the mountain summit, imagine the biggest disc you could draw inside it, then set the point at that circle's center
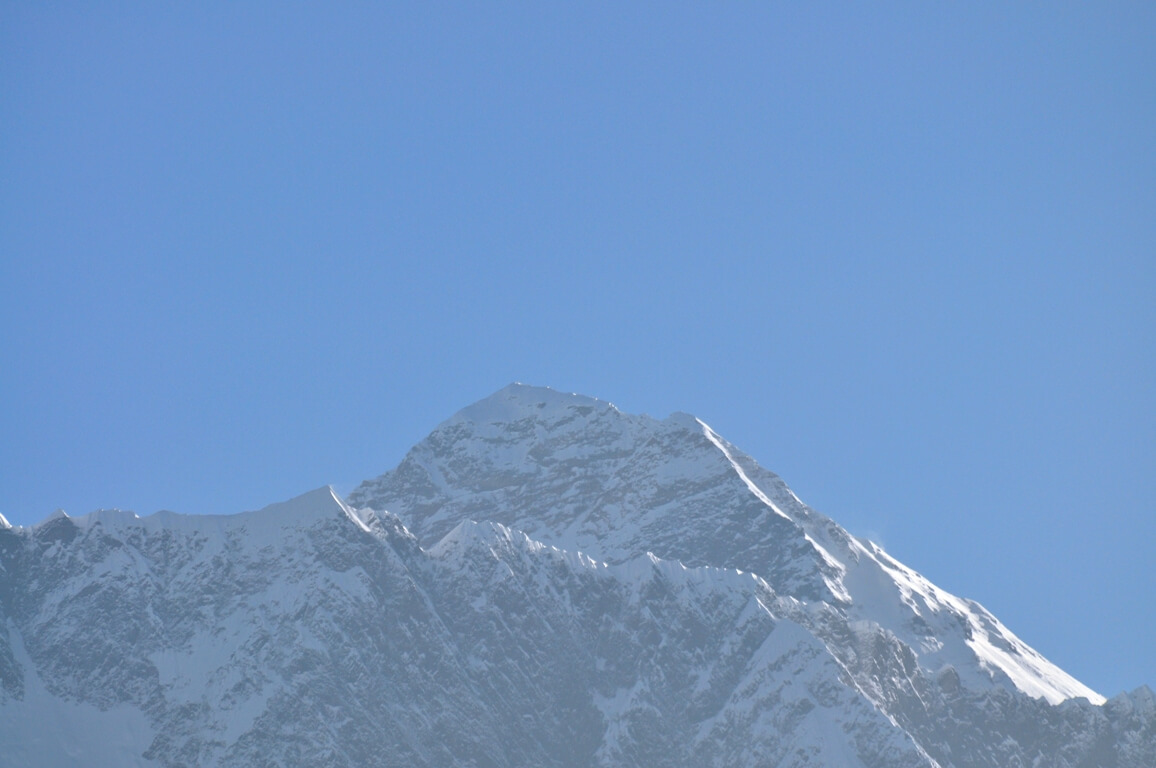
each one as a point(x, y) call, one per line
point(543, 580)
point(576, 473)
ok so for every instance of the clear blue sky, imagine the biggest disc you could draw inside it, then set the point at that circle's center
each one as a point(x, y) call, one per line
point(904, 254)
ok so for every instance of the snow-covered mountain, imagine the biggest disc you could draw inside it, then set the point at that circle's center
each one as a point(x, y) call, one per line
point(543, 580)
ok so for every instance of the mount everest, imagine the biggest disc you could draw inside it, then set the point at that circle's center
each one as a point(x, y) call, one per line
point(543, 580)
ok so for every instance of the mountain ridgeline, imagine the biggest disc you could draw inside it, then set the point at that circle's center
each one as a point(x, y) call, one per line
point(542, 581)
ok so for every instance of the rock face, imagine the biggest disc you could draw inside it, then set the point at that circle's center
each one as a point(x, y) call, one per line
point(542, 581)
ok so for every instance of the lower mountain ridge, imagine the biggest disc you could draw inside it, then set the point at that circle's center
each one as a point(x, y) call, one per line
point(542, 581)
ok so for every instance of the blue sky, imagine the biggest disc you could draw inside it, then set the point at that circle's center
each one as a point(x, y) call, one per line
point(904, 255)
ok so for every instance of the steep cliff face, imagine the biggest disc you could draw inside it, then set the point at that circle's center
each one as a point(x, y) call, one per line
point(542, 581)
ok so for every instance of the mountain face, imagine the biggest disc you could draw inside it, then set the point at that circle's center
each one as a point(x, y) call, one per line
point(542, 581)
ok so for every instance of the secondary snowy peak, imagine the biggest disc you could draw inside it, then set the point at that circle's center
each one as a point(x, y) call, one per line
point(323, 499)
point(318, 503)
point(55, 518)
point(576, 473)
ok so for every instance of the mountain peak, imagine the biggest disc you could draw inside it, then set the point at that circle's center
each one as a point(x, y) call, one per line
point(517, 401)
point(574, 472)
point(58, 514)
point(319, 501)
point(577, 473)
